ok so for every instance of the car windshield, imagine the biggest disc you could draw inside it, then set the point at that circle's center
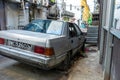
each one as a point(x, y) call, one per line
point(45, 26)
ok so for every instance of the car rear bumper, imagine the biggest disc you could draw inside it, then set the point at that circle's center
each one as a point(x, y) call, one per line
point(28, 57)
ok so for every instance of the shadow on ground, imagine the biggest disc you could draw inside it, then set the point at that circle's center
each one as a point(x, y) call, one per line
point(20, 71)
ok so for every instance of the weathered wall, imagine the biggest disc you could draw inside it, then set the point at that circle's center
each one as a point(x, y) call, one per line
point(2, 15)
point(115, 69)
point(11, 15)
point(41, 13)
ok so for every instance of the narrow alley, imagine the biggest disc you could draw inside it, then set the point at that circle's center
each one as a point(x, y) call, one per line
point(59, 39)
point(83, 69)
point(87, 68)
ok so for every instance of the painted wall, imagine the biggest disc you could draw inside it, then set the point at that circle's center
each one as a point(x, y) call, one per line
point(13, 19)
point(41, 13)
point(11, 15)
point(2, 16)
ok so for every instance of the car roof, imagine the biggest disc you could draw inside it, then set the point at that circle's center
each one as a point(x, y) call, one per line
point(52, 20)
point(48, 20)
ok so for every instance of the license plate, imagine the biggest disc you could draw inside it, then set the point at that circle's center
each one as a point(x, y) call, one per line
point(20, 45)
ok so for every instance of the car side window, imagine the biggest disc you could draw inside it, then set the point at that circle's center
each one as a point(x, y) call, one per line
point(78, 30)
point(72, 30)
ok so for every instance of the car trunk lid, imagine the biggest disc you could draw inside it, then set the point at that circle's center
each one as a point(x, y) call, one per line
point(34, 38)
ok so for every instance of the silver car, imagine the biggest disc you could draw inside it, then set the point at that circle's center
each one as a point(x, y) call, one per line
point(42, 43)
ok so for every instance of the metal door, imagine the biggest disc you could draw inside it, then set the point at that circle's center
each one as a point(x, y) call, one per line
point(2, 15)
point(115, 68)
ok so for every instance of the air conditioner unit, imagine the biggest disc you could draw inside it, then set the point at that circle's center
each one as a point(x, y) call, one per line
point(44, 2)
point(39, 2)
point(34, 1)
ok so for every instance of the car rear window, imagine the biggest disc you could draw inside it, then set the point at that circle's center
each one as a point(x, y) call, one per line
point(45, 26)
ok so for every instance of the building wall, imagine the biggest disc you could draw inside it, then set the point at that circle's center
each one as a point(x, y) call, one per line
point(11, 10)
point(10, 17)
point(41, 13)
point(110, 47)
point(102, 56)
point(2, 15)
point(115, 68)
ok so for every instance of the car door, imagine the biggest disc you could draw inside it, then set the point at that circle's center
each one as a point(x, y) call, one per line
point(80, 35)
point(73, 37)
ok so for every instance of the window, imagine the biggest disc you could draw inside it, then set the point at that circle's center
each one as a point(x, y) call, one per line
point(72, 30)
point(55, 28)
point(45, 26)
point(78, 30)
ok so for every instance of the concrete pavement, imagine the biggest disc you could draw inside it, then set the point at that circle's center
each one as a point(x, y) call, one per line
point(82, 69)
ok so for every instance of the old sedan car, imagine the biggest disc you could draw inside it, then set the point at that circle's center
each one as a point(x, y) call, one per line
point(42, 43)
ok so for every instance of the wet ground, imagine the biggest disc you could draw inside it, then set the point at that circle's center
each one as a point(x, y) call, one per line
point(87, 68)
point(83, 69)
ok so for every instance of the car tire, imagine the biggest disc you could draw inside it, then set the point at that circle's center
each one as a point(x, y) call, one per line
point(83, 47)
point(66, 64)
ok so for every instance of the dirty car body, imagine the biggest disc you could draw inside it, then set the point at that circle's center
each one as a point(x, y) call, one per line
point(42, 43)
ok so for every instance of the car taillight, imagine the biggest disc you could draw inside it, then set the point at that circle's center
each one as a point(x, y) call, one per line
point(39, 50)
point(44, 51)
point(2, 41)
point(49, 51)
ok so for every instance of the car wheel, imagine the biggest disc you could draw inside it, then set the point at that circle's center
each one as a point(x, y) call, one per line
point(66, 64)
point(83, 47)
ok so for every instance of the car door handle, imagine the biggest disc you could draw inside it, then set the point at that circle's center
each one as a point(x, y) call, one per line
point(71, 41)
